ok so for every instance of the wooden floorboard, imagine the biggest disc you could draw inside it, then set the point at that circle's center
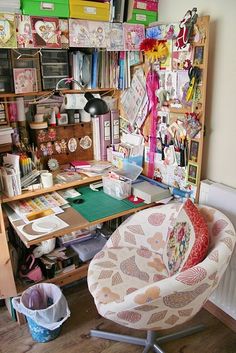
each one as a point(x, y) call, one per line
point(74, 338)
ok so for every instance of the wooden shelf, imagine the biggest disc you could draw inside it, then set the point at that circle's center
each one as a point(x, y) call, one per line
point(76, 222)
point(64, 91)
point(6, 147)
point(56, 187)
point(60, 280)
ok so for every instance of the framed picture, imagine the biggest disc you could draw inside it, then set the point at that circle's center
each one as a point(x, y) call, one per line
point(192, 173)
point(25, 80)
point(193, 151)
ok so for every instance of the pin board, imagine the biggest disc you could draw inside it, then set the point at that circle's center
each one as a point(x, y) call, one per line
point(176, 156)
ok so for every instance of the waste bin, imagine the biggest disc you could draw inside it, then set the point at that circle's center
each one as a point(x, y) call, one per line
point(45, 308)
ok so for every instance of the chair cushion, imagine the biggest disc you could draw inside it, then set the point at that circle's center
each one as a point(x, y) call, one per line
point(188, 240)
point(117, 272)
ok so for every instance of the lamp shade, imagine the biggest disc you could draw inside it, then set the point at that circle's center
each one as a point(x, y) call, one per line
point(95, 106)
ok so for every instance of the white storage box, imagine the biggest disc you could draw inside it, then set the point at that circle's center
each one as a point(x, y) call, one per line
point(12, 6)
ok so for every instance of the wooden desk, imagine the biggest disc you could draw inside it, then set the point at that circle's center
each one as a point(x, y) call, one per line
point(10, 286)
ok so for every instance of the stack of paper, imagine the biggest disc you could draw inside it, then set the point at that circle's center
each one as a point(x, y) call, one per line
point(5, 135)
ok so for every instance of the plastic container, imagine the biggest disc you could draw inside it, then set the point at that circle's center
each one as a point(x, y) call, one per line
point(45, 308)
point(121, 188)
point(41, 334)
point(116, 188)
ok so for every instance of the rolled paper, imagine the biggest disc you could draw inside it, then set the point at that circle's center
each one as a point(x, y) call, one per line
point(20, 109)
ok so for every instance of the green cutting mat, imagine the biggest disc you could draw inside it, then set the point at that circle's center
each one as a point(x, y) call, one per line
point(97, 204)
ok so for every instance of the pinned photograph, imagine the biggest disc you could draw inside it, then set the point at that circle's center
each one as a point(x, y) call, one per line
point(192, 173)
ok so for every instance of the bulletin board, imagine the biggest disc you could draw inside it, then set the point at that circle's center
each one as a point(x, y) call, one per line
point(181, 116)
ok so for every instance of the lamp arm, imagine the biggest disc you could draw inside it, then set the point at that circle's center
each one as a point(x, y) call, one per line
point(69, 80)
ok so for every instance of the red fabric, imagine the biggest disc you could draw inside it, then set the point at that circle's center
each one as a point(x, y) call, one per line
point(201, 243)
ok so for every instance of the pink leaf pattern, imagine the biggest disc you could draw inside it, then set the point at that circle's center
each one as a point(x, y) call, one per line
point(106, 264)
point(131, 290)
point(116, 279)
point(172, 320)
point(156, 219)
point(228, 242)
point(93, 287)
point(157, 317)
point(130, 238)
point(105, 274)
point(181, 299)
point(214, 256)
point(115, 239)
point(144, 253)
point(212, 277)
point(130, 268)
point(136, 229)
point(192, 276)
point(112, 256)
point(146, 308)
point(185, 312)
point(99, 255)
point(158, 277)
point(130, 316)
point(218, 226)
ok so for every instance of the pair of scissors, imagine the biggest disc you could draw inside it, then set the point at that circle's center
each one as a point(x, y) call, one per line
point(194, 74)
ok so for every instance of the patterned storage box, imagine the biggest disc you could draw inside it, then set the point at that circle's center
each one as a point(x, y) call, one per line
point(90, 10)
point(49, 8)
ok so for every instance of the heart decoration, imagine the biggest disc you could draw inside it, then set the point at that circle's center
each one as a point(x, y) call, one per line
point(45, 29)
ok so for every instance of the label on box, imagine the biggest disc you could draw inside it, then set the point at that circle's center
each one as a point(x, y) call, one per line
point(141, 5)
point(141, 17)
point(47, 6)
point(90, 10)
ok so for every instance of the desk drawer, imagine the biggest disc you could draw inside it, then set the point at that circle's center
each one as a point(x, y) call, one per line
point(90, 10)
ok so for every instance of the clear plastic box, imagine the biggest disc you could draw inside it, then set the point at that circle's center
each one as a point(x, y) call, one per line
point(116, 188)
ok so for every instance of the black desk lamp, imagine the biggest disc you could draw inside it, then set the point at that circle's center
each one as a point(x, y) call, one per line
point(94, 106)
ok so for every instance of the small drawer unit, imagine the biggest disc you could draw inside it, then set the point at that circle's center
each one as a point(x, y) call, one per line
point(6, 81)
point(54, 67)
point(90, 10)
point(48, 8)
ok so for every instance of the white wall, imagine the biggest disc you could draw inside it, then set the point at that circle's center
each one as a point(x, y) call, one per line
point(219, 155)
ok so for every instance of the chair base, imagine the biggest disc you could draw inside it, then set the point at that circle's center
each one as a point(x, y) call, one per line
point(152, 340)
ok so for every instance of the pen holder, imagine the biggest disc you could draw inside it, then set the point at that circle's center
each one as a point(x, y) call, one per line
point(116, 188)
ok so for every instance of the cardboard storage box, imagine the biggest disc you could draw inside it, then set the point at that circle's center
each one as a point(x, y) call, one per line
point(90, 10)
point(146, 5)
point(143, 17)
point(49, 8)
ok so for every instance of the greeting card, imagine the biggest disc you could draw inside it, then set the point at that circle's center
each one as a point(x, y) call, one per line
point(182, 87)
point(83, 33)
point(166, 64)
point(46, 33)
point(134, 34)
point(116, 37)
point(64, 29)
point(24, 32)
point(182, 58)
point(25, 80)
point(7, 31)
point(162, 32)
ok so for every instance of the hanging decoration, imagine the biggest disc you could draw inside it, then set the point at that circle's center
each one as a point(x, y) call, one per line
point(186, 27)
point(155, 52)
